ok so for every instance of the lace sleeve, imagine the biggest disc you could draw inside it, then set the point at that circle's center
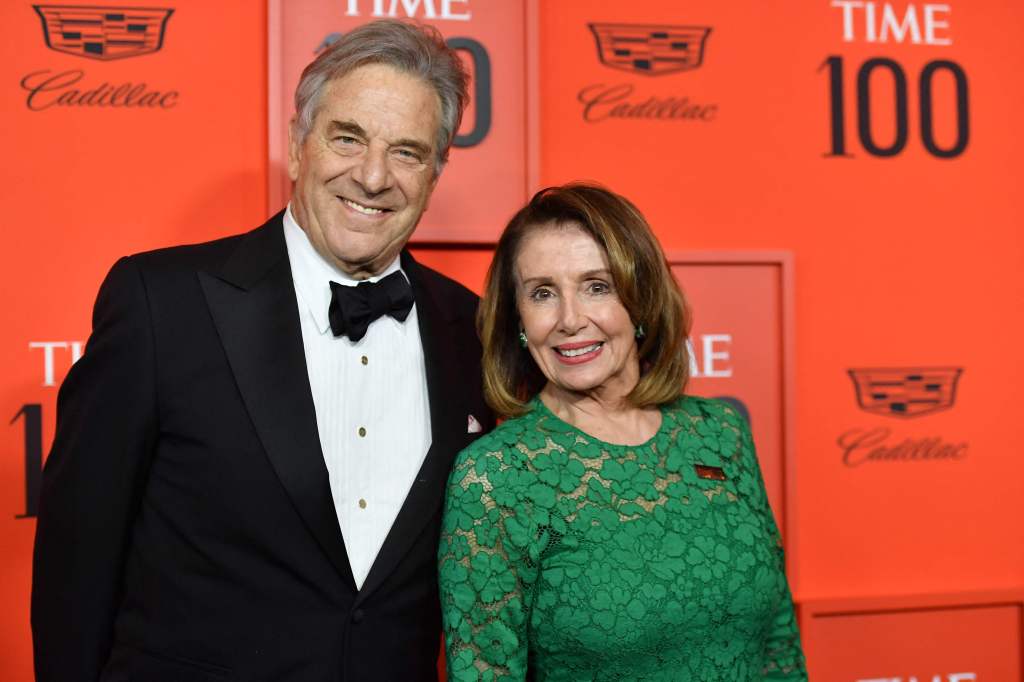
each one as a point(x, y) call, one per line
point(783, 654)
point(486, 570)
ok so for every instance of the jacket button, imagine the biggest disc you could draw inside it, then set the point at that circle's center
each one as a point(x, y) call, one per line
point(357, 616)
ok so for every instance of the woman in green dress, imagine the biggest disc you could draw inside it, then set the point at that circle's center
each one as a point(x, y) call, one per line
point(611, 528)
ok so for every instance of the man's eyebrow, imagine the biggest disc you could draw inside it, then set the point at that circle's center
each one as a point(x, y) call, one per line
point(345, 127)
point(421, 147)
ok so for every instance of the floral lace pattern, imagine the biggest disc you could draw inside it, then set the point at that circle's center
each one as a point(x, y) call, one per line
point(577, 559)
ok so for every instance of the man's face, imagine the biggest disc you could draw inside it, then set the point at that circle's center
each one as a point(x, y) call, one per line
point(364, 173)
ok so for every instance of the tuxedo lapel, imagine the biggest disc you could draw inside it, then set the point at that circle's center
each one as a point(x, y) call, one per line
point(448, 412)
point(252, 301)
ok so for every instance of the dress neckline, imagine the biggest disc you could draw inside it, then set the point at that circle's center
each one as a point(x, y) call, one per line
point(663, 428)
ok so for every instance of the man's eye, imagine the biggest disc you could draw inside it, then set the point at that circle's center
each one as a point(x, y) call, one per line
point(408, 155)
point(346, 139)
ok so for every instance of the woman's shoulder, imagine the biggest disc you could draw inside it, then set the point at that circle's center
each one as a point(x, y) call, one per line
point(496, 466)
point(715, 424)
point(503, 438)
point(694, 408)
point(718, 430)
point(506, 434)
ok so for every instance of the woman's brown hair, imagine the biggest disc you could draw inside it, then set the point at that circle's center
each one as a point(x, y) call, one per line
point(642, 279)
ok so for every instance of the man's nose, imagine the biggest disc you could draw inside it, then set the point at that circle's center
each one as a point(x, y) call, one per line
point(373, 173)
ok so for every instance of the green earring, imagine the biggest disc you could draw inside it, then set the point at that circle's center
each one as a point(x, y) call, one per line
point(522, 339)
point(639, 333)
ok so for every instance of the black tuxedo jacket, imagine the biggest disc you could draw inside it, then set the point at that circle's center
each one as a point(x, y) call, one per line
point(186, 528)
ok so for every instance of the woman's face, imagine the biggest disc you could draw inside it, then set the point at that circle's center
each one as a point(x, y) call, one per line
point(577, 330)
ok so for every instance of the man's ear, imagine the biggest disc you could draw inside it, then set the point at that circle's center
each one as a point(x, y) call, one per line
point(294, 149)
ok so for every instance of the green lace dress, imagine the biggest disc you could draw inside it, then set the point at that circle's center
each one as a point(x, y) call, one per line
point(567, 558)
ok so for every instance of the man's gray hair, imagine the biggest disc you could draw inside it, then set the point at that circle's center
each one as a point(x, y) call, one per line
point(416, 49)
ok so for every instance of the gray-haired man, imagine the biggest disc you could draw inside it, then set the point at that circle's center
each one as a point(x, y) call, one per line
point(250, 458)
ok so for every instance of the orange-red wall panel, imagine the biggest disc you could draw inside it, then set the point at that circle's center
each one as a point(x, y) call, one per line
point(93, 175)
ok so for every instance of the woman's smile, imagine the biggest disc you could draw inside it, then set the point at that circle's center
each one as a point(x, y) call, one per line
point(578, 353)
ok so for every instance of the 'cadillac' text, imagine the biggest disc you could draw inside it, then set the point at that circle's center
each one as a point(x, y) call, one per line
point(874, 445)
point(601, 102)
point(47, 89)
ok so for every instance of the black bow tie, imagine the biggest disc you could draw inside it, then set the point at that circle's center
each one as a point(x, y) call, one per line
point(354, 308)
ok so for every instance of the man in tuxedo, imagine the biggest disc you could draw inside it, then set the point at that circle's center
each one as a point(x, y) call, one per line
point(247, 476)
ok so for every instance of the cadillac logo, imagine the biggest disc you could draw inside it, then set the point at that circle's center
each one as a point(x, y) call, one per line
point(103, 33)
point(650, 49)
point(906, 391)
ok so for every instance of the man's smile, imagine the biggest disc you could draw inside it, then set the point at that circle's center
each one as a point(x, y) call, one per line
point(363, 208)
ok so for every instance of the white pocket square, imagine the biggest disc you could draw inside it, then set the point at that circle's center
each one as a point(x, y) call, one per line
point(473, 426)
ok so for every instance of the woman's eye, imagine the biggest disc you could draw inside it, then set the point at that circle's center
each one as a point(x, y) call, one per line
point(599, 288)
point(541, 294)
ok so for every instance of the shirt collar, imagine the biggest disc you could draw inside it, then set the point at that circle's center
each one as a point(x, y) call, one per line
point(313, 274)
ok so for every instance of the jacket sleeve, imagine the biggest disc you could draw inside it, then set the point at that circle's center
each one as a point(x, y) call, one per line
point(92, 483)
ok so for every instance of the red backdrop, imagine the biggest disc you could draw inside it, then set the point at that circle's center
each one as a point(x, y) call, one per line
point(869, 147)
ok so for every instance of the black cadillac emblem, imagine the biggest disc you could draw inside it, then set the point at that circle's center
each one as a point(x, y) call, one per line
point(650, 49)
point(906, 391)
point(103, 33)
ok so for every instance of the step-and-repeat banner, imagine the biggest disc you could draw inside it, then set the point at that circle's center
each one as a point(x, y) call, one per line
point(126, 128)
point(836, 183)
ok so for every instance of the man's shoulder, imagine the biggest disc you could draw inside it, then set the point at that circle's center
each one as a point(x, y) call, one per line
point(446, 289)
point(201, 255)
point(186, 257)
point(445, 286)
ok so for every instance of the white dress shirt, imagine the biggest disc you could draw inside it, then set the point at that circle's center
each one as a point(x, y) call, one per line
point(371, 403)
